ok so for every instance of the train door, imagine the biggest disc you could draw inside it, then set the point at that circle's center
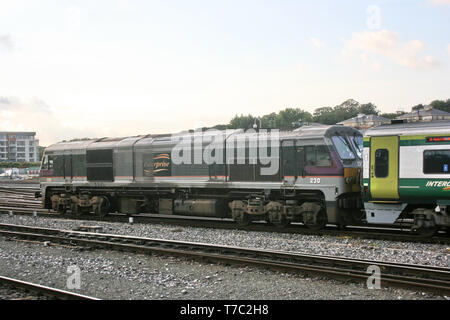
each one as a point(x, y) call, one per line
point(300, 154)
point(218, 169)
point(384, 167)
point(288, 159)
point(68, 167)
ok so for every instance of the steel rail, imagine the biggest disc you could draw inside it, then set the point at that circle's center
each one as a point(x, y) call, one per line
point(353, 232)
point(427, 278)
point(395, 233)
point(44, 290)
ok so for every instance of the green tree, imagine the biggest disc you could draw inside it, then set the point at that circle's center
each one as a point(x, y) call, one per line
point(269, 121)
point(391, 115)
point(441, 105)
point(324, 115)
point(19, 164)
point(242, 122)
point(417, 107)
point(289, 116)
point(368, 108)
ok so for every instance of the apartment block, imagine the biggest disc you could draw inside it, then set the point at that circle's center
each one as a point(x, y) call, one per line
point(19, 147)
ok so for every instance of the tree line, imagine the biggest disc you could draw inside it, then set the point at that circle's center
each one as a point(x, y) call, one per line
point(293, 117)
point(20, 165)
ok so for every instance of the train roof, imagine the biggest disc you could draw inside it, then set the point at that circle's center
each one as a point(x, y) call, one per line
point(315, 131)
point(69, 145)
point(410, 128)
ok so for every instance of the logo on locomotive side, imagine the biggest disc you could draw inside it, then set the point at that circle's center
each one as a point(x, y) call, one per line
point(161, 164)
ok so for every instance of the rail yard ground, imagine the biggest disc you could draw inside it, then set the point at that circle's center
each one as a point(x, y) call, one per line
point(118, 275)
point(114, 275)
point(10, 293)
point(108, 274)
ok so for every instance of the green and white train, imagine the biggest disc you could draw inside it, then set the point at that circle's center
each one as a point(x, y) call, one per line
point(406, 175)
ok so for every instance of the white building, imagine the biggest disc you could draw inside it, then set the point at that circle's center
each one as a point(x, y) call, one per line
point(428, 113)
point(363, 121)
point(19, 147)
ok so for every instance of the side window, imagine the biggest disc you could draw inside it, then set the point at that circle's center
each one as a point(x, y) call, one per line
point(381, 163)
point(300, 158)
point(310, 156)
point(436, 161)
point(323, 157)
point(318, 156)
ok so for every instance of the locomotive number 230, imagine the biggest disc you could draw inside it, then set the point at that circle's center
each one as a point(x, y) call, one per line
point(314, 180)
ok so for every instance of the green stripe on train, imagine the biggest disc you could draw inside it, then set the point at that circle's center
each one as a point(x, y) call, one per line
point(424, 187)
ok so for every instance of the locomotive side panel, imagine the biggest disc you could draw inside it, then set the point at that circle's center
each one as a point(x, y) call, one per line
point(314, 181)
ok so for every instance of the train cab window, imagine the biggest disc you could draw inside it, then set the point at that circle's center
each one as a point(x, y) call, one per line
point(343, 148)
point(357, 142)
point(323, 158)
point(436, 161)
point(47, 163)
point(381, 163)
point(310, 155)
point(317, 156)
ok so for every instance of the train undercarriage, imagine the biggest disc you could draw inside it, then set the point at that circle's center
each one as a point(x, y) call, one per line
point(279, 208)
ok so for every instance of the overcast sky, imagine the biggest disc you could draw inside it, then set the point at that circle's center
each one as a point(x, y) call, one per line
point(73, 69)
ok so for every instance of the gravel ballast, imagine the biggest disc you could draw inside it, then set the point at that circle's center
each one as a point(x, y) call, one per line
point(116, 275)
point(11, 293)
point(381, 250)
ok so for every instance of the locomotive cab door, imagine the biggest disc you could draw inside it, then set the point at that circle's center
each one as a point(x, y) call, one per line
point(68, 167)
point(288, 162)
point(384, 159)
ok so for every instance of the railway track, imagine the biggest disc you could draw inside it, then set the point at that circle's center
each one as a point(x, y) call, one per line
point(416, 277)
point(20, 200)
point(38, 289)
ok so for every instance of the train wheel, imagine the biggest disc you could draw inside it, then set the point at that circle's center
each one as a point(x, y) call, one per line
point(76, 210)
point(424, 225)
point(282, 223)
point(62, 210)
point(424, 231)
point(315, 221)
point(241, 218)
point(102, 209)
point(275, 217)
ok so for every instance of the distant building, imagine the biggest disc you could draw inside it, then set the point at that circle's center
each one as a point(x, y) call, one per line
point(363, 121)
point(19, 147)
point(428, 113)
